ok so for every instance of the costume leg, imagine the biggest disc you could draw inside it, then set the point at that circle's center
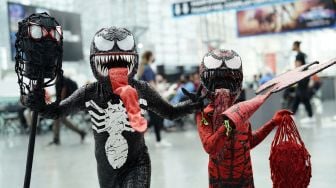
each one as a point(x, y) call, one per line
point(139, 176)
point(56, 130)
point(296, 103)
point(156, 121)
point(307, 104)
point(71, 126)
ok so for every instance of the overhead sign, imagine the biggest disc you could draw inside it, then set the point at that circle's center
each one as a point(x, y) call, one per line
point(193, 7)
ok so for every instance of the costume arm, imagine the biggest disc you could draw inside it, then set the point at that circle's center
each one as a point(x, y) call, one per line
point(260, 134)
point(71, 104)
point(158, 105)
point(239, 113)
point(210, 139)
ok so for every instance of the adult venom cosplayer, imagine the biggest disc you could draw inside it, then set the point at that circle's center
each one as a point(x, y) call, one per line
point(113, 103)
point(223, 127)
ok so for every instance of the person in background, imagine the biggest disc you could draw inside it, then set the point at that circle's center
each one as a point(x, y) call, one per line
point(196, 79)
point(255, 83)
point(302, 89)
point(186, 83)
point(67, 87)
point(163, 87)
point(146, 73)
point(267, 76)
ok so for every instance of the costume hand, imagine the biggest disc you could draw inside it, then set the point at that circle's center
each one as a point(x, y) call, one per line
point(278, 116)
point(195, 98)
point(34, 100)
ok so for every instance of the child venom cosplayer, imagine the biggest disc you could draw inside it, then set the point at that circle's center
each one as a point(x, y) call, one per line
point(223, 127)
point(113, 103)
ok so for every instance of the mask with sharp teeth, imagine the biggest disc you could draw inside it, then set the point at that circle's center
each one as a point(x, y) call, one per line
point(113, 48)
point(222, 69)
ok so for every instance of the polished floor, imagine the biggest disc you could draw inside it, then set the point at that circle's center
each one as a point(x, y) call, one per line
point(73, 165)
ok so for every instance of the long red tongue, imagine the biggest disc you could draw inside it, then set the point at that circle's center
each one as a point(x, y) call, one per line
point(129, 96)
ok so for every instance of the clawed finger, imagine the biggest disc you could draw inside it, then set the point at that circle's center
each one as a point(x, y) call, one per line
point(185, 92)
point(199, 91)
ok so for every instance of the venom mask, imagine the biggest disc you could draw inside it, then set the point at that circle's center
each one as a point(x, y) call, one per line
point(113, 48)
point(222, 70)
point(39, 47)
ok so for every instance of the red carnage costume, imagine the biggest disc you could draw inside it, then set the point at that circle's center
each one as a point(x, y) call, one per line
point(223, 127)
point(229, 160)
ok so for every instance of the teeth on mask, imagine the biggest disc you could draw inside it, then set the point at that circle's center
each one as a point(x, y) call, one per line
point(96, 59)
point(106, 59)
point(102, 68)
point(98, 67)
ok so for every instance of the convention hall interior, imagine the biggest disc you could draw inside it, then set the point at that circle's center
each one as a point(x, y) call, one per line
point(167, 93)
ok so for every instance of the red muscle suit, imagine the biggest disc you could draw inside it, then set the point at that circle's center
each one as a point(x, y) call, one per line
point(224, 128)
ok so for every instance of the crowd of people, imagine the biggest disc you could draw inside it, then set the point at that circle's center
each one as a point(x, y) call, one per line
point(302, 93)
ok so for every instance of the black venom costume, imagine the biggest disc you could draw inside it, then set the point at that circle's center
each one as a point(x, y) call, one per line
point(120, 150)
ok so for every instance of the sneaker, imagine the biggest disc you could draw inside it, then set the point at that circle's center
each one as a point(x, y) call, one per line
point(163, 143)
point(54, 142)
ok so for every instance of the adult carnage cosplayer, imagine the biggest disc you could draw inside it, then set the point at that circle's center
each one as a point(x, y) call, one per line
point(223, 127)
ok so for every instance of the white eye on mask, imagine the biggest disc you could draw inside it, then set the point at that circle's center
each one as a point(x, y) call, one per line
point(234, 63)
point(212, 63)
point(127, 43)
point(103, 44)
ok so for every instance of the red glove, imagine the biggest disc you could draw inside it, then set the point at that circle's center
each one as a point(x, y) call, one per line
point(129, 96)
point(278, 116)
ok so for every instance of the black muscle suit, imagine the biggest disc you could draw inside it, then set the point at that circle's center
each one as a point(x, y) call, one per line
point(121, 153)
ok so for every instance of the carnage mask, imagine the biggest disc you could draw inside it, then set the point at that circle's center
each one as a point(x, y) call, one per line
point(221, 74)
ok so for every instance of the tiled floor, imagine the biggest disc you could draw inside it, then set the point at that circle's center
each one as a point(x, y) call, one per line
point(183, 165)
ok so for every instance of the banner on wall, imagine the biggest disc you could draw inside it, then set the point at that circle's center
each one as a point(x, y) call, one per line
point(298, 15)
point(70, 22)
point(191, 7)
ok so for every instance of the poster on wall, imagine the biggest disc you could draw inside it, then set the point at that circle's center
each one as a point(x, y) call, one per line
point(70, 22)
point(284, 17)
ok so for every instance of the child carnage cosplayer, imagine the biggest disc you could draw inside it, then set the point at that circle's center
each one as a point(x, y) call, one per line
point(223, 127)
point(115, 103)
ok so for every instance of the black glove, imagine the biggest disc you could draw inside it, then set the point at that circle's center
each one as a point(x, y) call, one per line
point(196, 98)
point(34, 100)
